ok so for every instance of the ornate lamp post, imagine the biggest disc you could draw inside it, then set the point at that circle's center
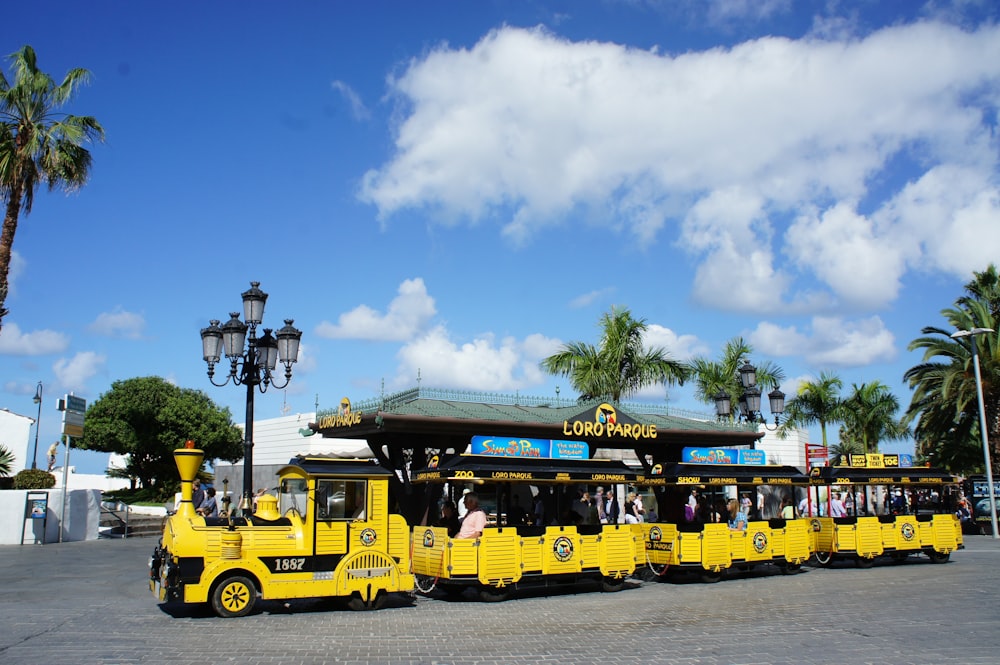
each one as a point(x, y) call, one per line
point(37, 399)
point(982, 419)
point(253, 361)
point(749, 404)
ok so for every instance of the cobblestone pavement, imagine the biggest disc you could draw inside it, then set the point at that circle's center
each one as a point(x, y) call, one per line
point(89, 603)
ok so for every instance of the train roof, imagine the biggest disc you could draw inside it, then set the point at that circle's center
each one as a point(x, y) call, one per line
point(527, 469)
point(899, 475)
point(725, 474)
point(328, 465)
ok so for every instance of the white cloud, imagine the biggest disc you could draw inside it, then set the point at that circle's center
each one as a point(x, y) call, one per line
point(830, 342)
point(358, 109)
point(678, 347)
point(482, 364)
point(74, 372)
point(737, 144)
point(408, 315)
point(119, 324)
point(846, 251)
point(38, 343)
point(587, 299)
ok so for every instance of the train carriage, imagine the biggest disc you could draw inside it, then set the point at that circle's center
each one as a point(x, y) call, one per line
point(509, 556)
point(710, 549)
point(933, 530)
point(328, 533)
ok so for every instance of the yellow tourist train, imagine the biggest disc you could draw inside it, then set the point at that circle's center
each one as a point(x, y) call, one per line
point(709, 549)
point(912, 512)
point(330, 531)
point(512, 554)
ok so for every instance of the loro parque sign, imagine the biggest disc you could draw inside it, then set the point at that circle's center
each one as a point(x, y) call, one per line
point(606, 422)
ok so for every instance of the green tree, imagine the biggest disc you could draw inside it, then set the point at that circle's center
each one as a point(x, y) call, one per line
point(620, 365)
point(869, 417)
point(712, 377)
point(817, 402)
point(945, 404)
point(38, 144)
point(147, 418)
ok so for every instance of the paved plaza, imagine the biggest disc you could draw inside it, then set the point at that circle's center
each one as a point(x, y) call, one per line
point(88, 602)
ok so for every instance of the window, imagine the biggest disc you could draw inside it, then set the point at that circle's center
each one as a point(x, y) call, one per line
point(339, 499)
point(293, 495)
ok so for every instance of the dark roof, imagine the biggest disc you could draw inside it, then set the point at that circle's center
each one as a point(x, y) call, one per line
point(323, 465)
point(726, 474)
point(903, 475)
point(455, 413)
point(527, 469)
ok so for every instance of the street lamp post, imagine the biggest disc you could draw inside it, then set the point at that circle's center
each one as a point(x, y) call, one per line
point(253, 361)
point(982, 419)
point(37, 399)
point(749, 404)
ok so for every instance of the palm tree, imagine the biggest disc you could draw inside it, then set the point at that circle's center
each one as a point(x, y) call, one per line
point(619, 366)
point(723, 376)
point(869, 417)
point(945, 403)
point(817, 402)
point(38, 144)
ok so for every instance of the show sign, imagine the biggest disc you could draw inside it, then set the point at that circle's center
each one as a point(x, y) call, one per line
point(723, 456)
point(606, 422)
point(541, 448)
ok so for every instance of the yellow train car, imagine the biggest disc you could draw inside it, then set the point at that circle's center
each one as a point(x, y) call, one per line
point(511, 556)
point(896, 531)
point(328, 533)
point(711, 549)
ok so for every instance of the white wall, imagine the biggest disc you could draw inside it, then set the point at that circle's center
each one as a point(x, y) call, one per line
point(83, 516)
point(14, 435)
point(790, 451)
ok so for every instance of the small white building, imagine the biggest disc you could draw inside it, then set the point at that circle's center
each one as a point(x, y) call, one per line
point(15, 431)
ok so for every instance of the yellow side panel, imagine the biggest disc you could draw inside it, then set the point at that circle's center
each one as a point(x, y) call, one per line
point(737, 545)
point(463, 557)
point(590, 551)
point(716, 547)
point(532, 549)
point(869, 536)
point(559, 553)
point(845, 538)
point(764, 543)
point(658, 544)
point(499, 556)
point(797, 541)
point(617, 550)
point(331, 537)
point(945, 533)
point(430, 545)
point(822, 534)
point(904, 535)
point(689, 547)
point(399, 540)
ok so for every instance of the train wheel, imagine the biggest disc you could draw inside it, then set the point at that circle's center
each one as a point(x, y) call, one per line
point(234, 597)
point(358, 604)
point(824, 558)
point(864, 562)
point(711, 577)
point(938, 557)
point(612, 584)
point(492, 594)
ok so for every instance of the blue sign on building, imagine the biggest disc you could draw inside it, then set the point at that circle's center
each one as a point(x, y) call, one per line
point(723, 456)
point(505, 446)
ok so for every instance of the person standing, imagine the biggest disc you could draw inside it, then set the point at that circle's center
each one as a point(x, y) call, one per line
point(611, 507)
point(602, 517)
point(53, 449)
point(837, 506)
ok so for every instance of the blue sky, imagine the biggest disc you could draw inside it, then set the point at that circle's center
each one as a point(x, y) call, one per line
point(458, 188)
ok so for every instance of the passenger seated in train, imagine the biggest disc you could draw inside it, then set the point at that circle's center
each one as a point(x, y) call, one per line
point(738, 518)
point(449, 518)
point(475, 519)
